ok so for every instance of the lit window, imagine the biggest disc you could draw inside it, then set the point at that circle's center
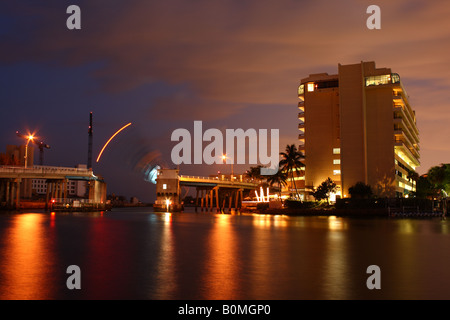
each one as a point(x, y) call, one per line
point(310, 86)
point(395, 78)
point(301, 89)
point(336, 172)
point(381, 79)
point(336, 150)
point(164, 186)
point(336, 161)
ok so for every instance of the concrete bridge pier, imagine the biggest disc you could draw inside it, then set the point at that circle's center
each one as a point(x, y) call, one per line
point(10, 193)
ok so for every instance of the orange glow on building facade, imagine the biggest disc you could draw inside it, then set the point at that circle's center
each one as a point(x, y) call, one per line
point(358, 126)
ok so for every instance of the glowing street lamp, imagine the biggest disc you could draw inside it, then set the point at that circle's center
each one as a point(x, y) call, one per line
point(29, 138)
point(224, 158)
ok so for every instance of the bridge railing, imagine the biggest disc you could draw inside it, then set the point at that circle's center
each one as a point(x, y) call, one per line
point(217, 179)
point(44, 169)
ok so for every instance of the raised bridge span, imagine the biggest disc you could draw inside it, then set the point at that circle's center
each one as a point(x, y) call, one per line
point(196, 181)
point(212, 193)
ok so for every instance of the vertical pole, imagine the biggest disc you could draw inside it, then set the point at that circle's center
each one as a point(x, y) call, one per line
point(202, 200)
point(53, 190)
point(13, 193)
point(223, 203)
point(89, 161)
point(217, 199)
point(211, 197)
point(47, 195)
point(8, 191)
point(59, 190)
point(196, 200)
point(242, 198)
point(65, 189)
point(18, 194)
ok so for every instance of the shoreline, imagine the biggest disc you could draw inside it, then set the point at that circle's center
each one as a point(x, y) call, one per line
point(357, 212)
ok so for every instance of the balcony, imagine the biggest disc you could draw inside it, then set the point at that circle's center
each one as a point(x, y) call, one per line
point(301, 126)
point(400, 124)
point(400, 101)
point(402, 143)
point(401, 113)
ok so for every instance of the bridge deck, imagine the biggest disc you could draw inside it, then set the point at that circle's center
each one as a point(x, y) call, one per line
point(45, 172)
point(196, 181)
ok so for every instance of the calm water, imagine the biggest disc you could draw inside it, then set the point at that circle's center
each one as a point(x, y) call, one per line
point(138, 254)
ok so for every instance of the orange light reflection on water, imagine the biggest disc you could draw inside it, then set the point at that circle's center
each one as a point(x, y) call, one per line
point(221, 266)
point(25, 264)
point(166, 284)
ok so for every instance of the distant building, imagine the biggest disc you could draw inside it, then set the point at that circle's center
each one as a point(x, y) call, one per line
point(167, 190)
point(134, 200)
point(15, 156)
point(358, 126)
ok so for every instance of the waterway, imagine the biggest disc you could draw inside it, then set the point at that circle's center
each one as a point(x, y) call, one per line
point(135, 253)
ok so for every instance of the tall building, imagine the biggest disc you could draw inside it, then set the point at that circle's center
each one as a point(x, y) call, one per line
point(358, 126)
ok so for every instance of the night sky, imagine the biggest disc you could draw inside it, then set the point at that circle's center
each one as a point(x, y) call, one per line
point(232, 64)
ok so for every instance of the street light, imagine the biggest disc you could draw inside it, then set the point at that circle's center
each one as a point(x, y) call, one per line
point(29, 138)
point(224, 158)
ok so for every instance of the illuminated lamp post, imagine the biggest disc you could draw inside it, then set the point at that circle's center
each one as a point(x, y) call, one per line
point(29, 138)
point(224, 158)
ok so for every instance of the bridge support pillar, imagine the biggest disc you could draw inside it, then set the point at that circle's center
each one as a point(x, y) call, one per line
point(17, 183)
point(217, 199)
point(47, 195)
point(196, 200)
point(8, 193)
point(65, 190)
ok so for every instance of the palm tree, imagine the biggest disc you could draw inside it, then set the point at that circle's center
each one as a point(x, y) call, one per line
point(278, 178)
point(291, 160)
point(439, 177)
point(412, 175)
point(254, 173)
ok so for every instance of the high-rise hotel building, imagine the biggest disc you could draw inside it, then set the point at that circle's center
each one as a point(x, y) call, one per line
point(358, 126)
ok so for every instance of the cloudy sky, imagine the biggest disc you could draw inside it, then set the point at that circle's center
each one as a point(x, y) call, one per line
point(229, 63)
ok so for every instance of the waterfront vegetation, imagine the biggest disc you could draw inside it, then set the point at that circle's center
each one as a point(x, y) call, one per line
point(431, 193)
point(291, 161)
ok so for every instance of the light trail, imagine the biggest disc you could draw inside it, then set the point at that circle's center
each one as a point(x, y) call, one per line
point(115, 134)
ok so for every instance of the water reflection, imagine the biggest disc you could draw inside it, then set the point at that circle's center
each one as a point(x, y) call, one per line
point(165, 279)
point(268, 220)
point(222, 264)
point(146, 255)
point(336, 269)
point(26, 259)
